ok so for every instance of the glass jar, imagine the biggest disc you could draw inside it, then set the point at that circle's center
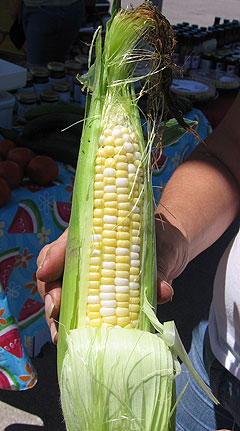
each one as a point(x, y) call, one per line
point(56, 71)
point(49, 96)
point(40, 79)
point(63, 90)
point(26, 101)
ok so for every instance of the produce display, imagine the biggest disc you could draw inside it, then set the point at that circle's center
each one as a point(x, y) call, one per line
point(19, 162)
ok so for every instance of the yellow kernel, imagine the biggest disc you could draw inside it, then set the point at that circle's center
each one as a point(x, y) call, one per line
point(109, 141)
point(110, 163)
point(120, 158)
point(109, 250)
point(109, 226)
point(122, 259)
point(122, 312)
point(110, 204)
point(98, 212)
point(123, 228)
point(122, 197)
point(109, 181)
point(123, 243)
point(130, 157)
point(135, 323)
point(98, 203)
point(94, 276)
point(93, 307)
point(123, 235)
point(99, 169)
point(124, 221)
point(97, 221)
point(110, 211)
point(121, 304)
point(98, 185)
point(136, 225)
point(109, 151)
point(125, 131)
point(108, 273)
point(133, 316)
point(122, 274)
point(122, 297)
point(107, 132)
point(134, 300)
point(136, 240)
point(135, 233)
point(109, 258)
point(109, 242)
point(98, 194)
point(134, 307)
point(121, 174)
point(134, 270)
point(110, 197)
point(123, 321)
point(106, 280)
point(136, 217)
point(124, 206)
point(122, 166)
point(93, 284)
point(134, 293)
point(96, 323)
point(109, 234)
point(93, 315)
point(123, 190)
point(130, 326)
point(111, 320)
point(93, 268)
point(93, 292)
point(119, 142)
point(122, 267)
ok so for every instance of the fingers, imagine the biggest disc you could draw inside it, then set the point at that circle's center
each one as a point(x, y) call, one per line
point(49, 280)
point(165, 292)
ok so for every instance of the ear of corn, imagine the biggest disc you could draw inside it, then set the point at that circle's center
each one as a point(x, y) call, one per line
point(114, 374)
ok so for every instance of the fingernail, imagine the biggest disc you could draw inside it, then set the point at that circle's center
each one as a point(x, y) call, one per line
point(170, 287)
point(54, 332)
point(49, 305)
point(40, 266)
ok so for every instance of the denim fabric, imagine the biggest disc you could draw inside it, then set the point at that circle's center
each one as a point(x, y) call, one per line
point(50, 31)
point(195, 411)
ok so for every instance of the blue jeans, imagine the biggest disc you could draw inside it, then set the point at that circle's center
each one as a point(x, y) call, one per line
point(195, 411)
point(50, 31)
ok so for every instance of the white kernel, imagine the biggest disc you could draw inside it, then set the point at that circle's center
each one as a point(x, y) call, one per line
point(137, 155)
point(107, 311)
point(110, 219)
point(109, 172)
point(117, 133)
point(120, 251)
point(136, 209)
point(96, 237)
point(101, 140)
point(95, 252)
point(127, 137)
point(134, 286)
point(134, 255)
point(110, 189)
point(134, 292)
point(122, 289)
point(93, 299)
point(121, 281)
point(131, 168)
point(107, 296)
point(128, 147)
point(122, 182)
point(98, 177)
point(109, 303)
point(107, 288)
point(135, 262)
point(108, 265)
point(135, 248)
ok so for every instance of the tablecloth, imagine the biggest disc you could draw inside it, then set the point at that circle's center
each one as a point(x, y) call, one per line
point(34, 217)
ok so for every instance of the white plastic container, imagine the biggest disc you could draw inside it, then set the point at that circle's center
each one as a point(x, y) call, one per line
point(7, 102)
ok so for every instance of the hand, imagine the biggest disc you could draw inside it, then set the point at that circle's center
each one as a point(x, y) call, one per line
point(49, 277)
point(172, 256)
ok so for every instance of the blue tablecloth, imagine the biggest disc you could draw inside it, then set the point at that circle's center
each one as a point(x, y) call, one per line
point(34, 217)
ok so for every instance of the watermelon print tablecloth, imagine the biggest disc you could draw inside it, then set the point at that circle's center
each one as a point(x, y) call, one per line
point(34, 217)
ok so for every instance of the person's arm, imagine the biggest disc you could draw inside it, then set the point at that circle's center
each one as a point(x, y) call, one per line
point(201, 199)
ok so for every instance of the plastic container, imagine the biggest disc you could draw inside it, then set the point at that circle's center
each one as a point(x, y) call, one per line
point(26, 101)
point(63, 89)
point(49, 96)
point(40, 79)
point(7, 101)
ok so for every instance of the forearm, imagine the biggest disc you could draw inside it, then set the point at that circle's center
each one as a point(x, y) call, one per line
point(202, 197)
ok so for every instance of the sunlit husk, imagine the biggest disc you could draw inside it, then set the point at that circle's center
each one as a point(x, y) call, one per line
point(116, 380)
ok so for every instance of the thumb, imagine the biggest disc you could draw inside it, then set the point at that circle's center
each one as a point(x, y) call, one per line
point(164, 291)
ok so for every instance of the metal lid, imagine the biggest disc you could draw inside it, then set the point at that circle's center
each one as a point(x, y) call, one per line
point(27, 97)
point(61, 86)
point(73, 65)
point(49, 96)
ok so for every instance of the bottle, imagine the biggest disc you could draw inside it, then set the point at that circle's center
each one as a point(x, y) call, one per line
point(56, 71)
point(196, 56)
point(26, 100)
point(49, 96)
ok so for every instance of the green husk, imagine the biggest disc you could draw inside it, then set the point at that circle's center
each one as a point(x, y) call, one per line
point(114, 379)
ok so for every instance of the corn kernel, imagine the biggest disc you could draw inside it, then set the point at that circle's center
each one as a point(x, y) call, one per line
point(111, 320)
point(123, 321)
point(96, 323)
point(93, 308)
point(122, 297)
